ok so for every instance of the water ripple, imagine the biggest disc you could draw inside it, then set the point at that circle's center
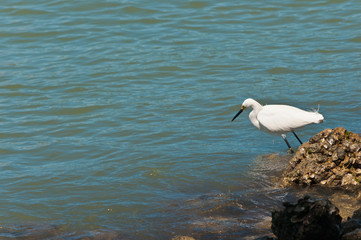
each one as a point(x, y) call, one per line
point(111, 112)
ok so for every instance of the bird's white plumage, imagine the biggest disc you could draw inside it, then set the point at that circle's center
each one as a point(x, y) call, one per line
point(279, 119)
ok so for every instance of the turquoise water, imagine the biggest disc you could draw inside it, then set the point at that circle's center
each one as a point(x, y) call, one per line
point(116, 115)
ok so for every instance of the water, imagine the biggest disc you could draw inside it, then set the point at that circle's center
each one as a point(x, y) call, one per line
point(115, 115)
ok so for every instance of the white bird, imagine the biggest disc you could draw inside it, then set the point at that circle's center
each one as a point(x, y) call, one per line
point(279, 119)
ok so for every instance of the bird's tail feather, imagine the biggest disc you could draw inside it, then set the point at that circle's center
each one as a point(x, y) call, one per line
point(317, 117)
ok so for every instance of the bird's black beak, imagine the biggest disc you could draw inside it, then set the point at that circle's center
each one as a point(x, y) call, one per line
point(240, 111)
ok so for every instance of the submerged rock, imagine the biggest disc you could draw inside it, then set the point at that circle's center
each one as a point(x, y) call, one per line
point(306, 220)
point(45, 231)
point(183, 238)
point(331, 157)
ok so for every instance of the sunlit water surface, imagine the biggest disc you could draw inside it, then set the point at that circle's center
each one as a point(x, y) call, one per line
point(115, 115)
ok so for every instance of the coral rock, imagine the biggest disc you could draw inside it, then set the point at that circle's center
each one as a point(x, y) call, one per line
point(331, 157)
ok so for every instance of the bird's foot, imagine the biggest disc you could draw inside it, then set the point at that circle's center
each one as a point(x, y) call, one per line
point(291, 150)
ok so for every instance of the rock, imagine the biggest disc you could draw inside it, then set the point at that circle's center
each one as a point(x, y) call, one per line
point(331, 157)
point(307, 219)
point(354, 235)
point(346, 201)
point(182, 238)
point(266, 238)
point(349, 179)
point(45, 231)
point(351, 229)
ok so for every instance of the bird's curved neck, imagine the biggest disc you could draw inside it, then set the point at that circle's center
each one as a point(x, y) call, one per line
point(253, 114)
point(256, 106)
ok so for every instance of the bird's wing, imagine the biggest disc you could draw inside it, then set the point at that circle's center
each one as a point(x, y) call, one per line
point(283, 118)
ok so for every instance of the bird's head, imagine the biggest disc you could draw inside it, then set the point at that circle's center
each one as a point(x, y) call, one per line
point(249, 102)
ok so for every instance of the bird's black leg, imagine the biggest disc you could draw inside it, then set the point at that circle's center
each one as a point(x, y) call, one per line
point(284, 138)
point(296, 137)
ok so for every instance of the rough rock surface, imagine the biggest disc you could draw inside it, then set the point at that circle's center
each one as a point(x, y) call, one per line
point(331, 157)
point(351, 229)
point(183, 238)
point(307, 219)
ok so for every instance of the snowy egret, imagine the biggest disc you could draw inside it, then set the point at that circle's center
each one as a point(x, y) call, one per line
point(279, 119)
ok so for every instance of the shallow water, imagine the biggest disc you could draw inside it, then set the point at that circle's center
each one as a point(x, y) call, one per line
point(115, 116)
